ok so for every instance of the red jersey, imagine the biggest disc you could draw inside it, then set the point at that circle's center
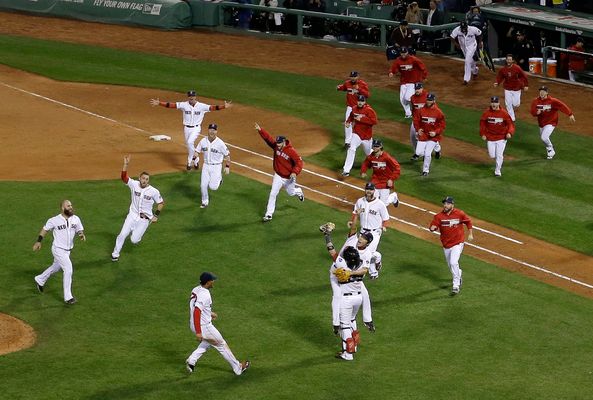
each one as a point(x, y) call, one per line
point(418, 101)
point(550, 107)
point(451, 227)
point(495, 124)
point(576, 62)
point(429, 119)
point(364, 127)
point(411, 70)
point(353, 90)
point(384, 167)
point(287, 160)
point(512, 78)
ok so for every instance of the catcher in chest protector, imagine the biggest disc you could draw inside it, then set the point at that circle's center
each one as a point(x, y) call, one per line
point(349, 292)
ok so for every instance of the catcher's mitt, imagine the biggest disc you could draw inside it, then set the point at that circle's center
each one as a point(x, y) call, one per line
point(342, 275)
point(328, 227)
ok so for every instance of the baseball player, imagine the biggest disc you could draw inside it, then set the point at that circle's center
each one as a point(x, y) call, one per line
point(372, 261)
point(140, 214)
point(449, 222)
point(65, 227)
point(468, 38)
point(350, 300)
point(496, 127)
point(411, 70)
point(193, 115)
point(513, 80)
point(214, 153)
point(417, 101)
point(386, 170)
point(429, 123)
point(200, 323)
point(353, 88)
point(373, 215)
point(546, 108)
point(287, 165)
point(363, 117)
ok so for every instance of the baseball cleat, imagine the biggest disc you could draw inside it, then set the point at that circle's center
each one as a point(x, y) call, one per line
point(188, 167)
point(551, 154)
point(267, 218)
point(39, 287)
point(370, 326)
point(71, 301)
point(346, 146)
point(196, 166)
point(301, 196)
point(203, 205)
point(497, 174)
point(454, 291)
point(408, 116)
point(425, 174)
point(244, 365)
point(344, 173)
point(114, 259)
point(415, 157)
point(437, 155)
point(342, 355)
point(465, 83)
point(336, 329)
point(189, 367)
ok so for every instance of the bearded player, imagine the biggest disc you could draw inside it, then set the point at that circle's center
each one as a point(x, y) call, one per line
point(513, 80)
point(411, 70)
point(496, 127)
point(386, 170)
point(417, 101)
point(353, 87)
point(362, 118)
point(429, 123)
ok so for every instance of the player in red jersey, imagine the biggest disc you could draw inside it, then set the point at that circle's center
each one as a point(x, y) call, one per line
point(386, 170)
point(417, 101)
point(513, 80)
point(353, 87)
point(362, 117)
point(449, 222)
point(496, 127)
point(546, 108)
point(411, 70)
point(429, 122)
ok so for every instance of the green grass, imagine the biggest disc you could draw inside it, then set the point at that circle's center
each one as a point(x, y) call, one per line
point(551, 200)
point(505, 336)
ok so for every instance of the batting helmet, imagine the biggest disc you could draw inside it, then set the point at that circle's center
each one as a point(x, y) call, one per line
point(352, 257)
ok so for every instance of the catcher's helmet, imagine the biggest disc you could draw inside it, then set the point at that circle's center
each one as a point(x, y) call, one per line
point(352, 257)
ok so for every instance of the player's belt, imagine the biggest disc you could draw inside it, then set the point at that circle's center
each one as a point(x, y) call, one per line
point(142, 215)
point(351, 294)
point(207, 163)
point(190, 126)
point(370, 230)
point(63, 248)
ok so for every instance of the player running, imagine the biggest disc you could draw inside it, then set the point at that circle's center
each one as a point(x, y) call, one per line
point(353, 87)
point(386, 170)
point(468, 38)
point(513, 80)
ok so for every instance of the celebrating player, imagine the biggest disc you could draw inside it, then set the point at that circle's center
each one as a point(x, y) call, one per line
point(193, 115)
point(215, 152)
point(200, 323)
point(411, 70)
point(417, 101)
point(546, 108)
point(513, 80)
point(449, 222)
point(353, 87)
point(496, 127)
point(363, 117)
point(386, 170)
point(65, 227)
point(140, 214)
point(287, 165)
point(466, 38)
point(373, 215)
point(429, 123)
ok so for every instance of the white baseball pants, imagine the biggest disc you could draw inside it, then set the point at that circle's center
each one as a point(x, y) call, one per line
point(470, 64)
point(191, 135)
point(347, 129)
point(367, 315)
point(212, 338)
point(61, 261)
point(414, 139)
point(134, 225)
point(512, 100)
point(348, 309)
point(383, 195)
point(277, 183)
point(405, 94)
point(496, 151)
point(211, 179)
point(425, 148)
point(545, 134)
point(356, 141)
point(452, 255)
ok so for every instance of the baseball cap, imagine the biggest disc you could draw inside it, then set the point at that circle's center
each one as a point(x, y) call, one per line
point(377, 143)
point(353, 74)
point(280, 139)
point(207, 277)
point(494, 99)
point(431, 97)
point(361, 98)
point(449, 199)
point(368, 236)
point(369, 186)
point(191, 93)
point(212, 126)
point(543, 88)
point(519, 33)
point(580, 39)
point(403, 49)
point(418, 85)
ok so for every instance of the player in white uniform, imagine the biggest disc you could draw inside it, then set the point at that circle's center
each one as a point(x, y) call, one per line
point(351, 300)
point(65, 226)
point(214, 153)
point(373, 215)
point(200, 323)
point(193, 115)
point(140, 214)
point(467, 38)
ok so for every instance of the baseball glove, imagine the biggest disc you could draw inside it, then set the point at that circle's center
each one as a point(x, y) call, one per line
point(328, 227)
point(342, 275)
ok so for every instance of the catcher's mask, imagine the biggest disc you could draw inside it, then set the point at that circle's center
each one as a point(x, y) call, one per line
point(352, 257)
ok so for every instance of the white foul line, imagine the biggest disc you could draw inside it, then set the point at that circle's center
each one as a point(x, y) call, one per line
point(523, 263)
